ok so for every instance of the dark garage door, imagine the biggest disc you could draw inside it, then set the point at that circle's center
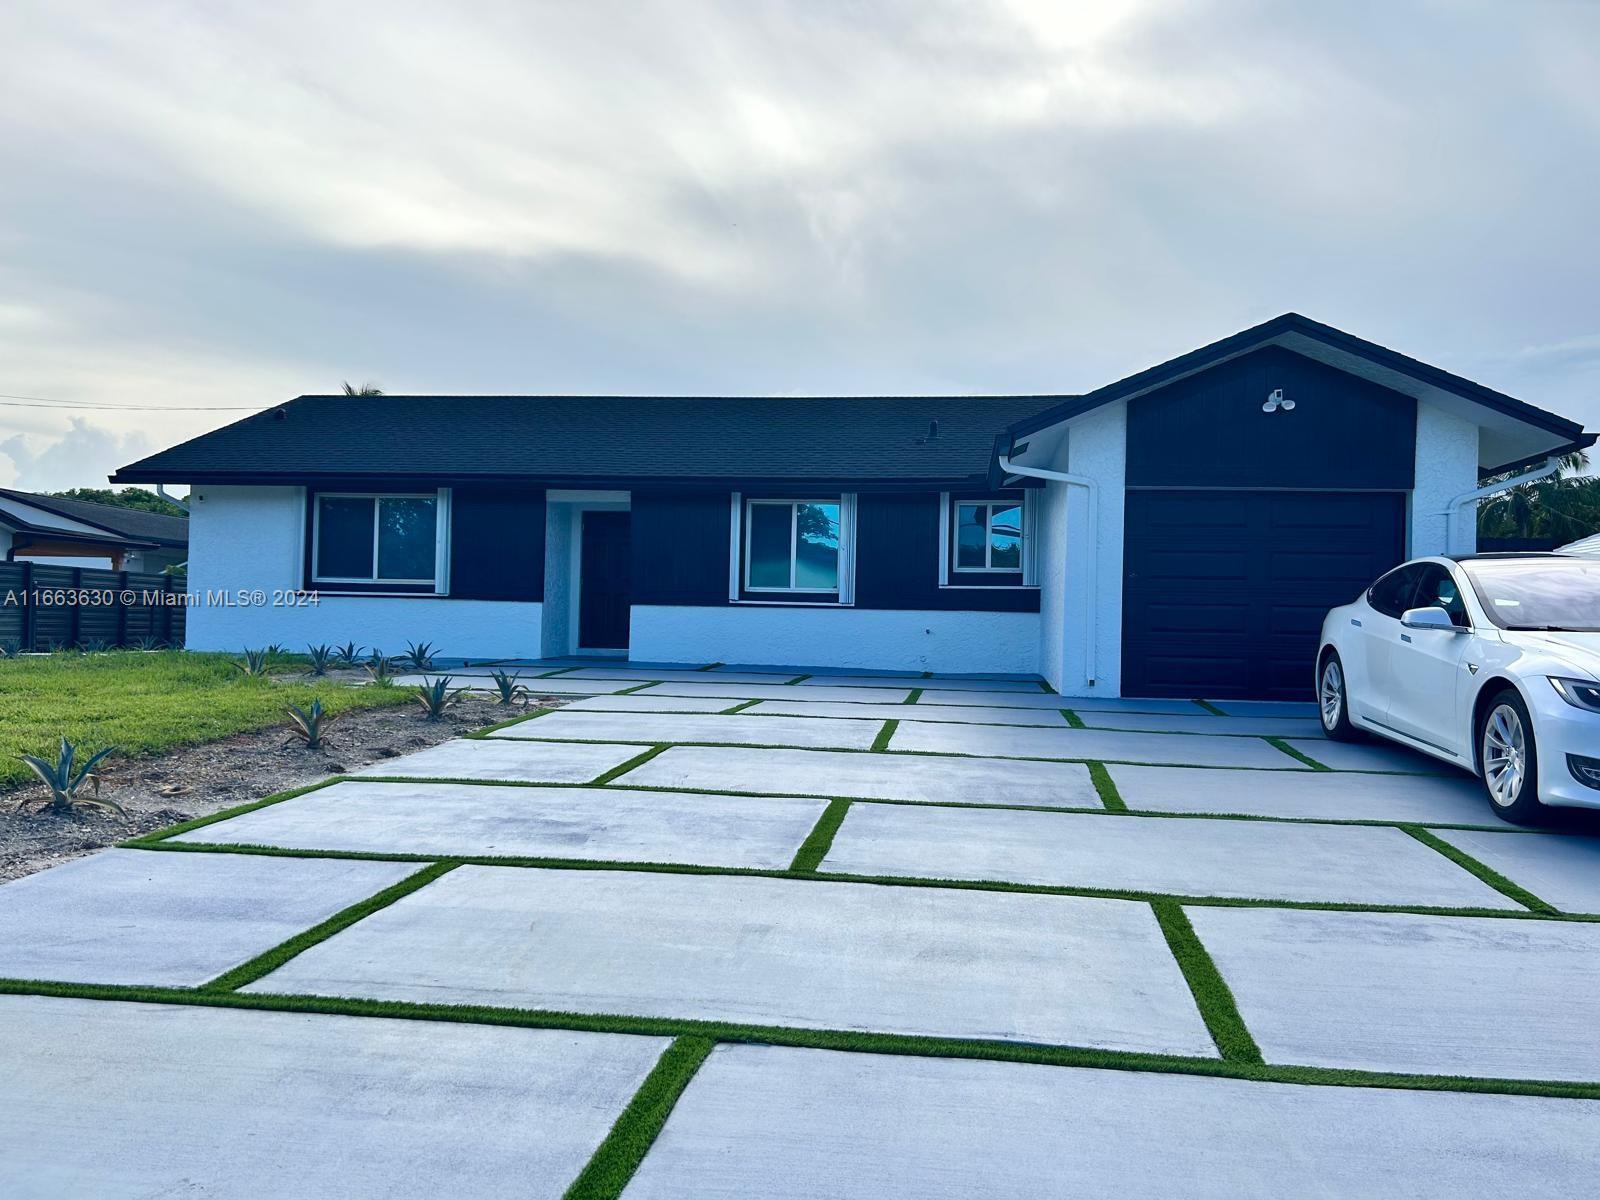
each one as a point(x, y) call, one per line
point(1224, 592)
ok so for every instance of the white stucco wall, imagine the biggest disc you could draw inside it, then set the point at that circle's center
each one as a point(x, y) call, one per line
point(1096, 447)
point(1447, 466)
point(244, 538)
point(879, 639)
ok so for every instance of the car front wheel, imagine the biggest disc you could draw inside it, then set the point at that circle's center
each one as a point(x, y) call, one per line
point(1333, 701)
point(1509, 759)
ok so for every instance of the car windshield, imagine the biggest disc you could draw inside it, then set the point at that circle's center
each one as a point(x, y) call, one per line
point(1555, 594)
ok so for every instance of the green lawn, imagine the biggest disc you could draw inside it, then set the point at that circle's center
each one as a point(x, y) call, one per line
point(140, 702)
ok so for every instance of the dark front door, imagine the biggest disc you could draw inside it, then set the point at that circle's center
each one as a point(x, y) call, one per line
point(1225, 591)
point(603, 591)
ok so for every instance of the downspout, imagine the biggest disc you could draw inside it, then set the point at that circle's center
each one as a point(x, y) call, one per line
point(161, 490)
point(1092, 489)
point(1454, 512)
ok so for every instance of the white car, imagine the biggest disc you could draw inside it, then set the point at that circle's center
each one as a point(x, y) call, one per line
point(1490, 662)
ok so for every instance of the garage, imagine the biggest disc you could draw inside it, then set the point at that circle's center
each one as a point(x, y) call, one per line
point(1225, 591)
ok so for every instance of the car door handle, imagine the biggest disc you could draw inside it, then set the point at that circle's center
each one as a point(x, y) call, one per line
point(1355, 622)
point(1405, 637)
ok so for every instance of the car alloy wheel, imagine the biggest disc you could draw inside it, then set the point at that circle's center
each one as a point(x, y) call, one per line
point(1505, 755)
point(1331, 694)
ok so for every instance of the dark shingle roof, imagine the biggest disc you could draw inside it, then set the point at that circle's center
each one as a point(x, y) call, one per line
point(601, 438)
point(132, 523)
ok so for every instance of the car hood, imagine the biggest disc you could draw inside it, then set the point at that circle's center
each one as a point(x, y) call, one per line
point(1582, 650)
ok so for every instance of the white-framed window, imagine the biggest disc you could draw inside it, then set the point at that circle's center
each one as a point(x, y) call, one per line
point(985, 539)
point(988, 535)
point(798, 547)
point(376, 538)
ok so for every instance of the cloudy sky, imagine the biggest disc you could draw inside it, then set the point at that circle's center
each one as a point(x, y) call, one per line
point(218, 205)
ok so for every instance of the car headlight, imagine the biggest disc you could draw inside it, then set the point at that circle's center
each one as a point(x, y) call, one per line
point(1580, 693)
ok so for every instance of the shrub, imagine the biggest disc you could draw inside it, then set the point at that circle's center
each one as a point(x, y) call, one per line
point(254, 664)
point(507, 689)
point(380, 669)
point(311, 725)
point(436, 696)
point(419, 655)
point(321, 658)
point(66, 782)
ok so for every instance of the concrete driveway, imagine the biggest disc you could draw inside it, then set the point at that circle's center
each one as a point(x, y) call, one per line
point(785, 934)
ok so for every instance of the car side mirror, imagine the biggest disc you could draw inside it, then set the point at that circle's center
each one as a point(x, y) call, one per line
point(1429, 618)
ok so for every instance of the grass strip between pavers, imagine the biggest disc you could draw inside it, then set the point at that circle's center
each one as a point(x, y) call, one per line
point(619, 1155)
point(737, 708)
point(814, 1039)
point(1483, 871)
point(1280, 744)
point(1106, 788)
point(1073, 720)
point(541, 863)
point(820, 840)
point(638, 760)
point(881, 743)
point(913, 696)
point(1210, 708)
point(269, 961)
point(1211, 994)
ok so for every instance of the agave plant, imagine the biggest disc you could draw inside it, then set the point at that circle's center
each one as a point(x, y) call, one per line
point(380, 669)
point(507, 689)
point(348, 654)
point(311, 725)
point(321, 658)
point(435, 696)
point(419, 655)
point(94, 645)
point(149, 643)
point(254, 664)
point(10, 648)
point(66, 780)
point(277, 650)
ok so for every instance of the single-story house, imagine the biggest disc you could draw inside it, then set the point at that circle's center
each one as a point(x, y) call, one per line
point(79, 533)
point(1180, 532)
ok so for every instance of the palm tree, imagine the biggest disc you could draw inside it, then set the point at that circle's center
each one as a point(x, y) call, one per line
point(366, 389)
point(1562, 506)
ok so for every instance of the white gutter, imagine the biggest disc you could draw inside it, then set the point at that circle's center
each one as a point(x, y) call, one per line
point(1456, 506)
point(161, 490)
point(1092, 488)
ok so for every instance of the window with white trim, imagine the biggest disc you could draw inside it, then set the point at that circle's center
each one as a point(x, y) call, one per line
point(988, 535)
point(793, 550)
point(378, 538)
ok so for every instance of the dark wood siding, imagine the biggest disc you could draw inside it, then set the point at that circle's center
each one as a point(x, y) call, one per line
point(497, 543)
point(680, 547)
point(1209, 430)
point(897, 561)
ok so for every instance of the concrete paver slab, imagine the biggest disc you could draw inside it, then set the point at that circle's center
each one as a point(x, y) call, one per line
point(778, 691)
point(944, 683)
point(112, 1099)
point(611, 824)
point(635, 702)
point(867, 776)
point(143, 917)
point(1047, 717)
point(1370, 756)
point(1309, 795)
point(790, 1124)
point(994, 741)
point(821, 733)
point(1267, 708)
point(932, 694)
point(1053, 969)
point(1561, 869)
point(1284, 727)
point(1343, 864)
point(1398, 992)
point(507, 760)
point(669, 675)
point(536, 686)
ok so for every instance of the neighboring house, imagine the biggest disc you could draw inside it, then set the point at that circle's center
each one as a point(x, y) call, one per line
point(1180, 532)
point(78, 533)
